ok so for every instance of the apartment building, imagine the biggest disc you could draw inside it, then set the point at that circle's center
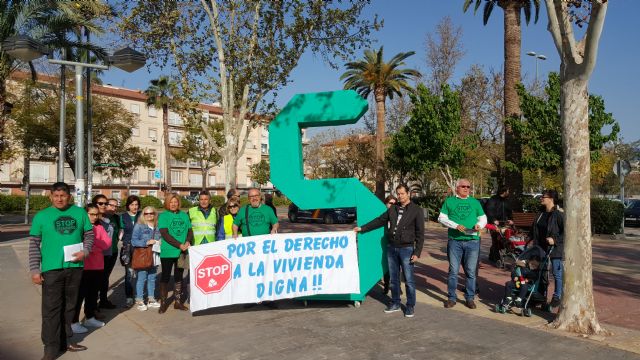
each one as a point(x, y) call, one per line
point(186, 177)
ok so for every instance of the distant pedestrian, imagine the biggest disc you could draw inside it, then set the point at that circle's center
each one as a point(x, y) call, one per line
point(145, 234)
point(61, 236)
point(498, 212)
point(405, 230)
point(464, 217)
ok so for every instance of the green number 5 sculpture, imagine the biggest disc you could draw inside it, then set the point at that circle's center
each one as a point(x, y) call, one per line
point(287, 174)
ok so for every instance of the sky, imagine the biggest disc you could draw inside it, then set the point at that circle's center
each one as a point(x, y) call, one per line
point(407, 22)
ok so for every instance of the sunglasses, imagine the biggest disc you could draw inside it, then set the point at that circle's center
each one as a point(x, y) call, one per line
point(465, 186)
point(101, 203)
point(233, 206)
point(149, 213)
point(391, 202)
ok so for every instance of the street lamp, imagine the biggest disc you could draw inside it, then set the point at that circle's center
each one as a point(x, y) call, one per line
point(537, 56)
point(24, 48)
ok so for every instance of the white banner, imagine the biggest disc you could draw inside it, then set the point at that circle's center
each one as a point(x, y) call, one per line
point(270, 267)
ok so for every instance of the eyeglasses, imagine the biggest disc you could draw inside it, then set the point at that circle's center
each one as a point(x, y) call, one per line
point(150, 213)
point(464, 186)
point(254, 196)
point(101, 203)
point(232, 206)
point(114, 205)
point(391, 203)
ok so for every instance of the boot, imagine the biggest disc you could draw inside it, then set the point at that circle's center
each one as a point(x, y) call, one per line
point(164, 304)
point(177, 294)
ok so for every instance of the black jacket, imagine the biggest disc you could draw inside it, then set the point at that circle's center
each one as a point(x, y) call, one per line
point(410, 230)
point(555, 230)
point(498, 209)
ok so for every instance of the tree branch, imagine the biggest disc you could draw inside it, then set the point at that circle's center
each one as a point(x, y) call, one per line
point(592, 36)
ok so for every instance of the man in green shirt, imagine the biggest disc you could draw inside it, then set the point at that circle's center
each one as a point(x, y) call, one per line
point(255, 218)
point(464, 217)
point(61, 236)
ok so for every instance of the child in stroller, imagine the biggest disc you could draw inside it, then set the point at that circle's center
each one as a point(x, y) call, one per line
point(527, 284)
point(512, 243)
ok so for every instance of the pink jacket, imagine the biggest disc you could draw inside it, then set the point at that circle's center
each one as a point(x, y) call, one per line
point(102, 241)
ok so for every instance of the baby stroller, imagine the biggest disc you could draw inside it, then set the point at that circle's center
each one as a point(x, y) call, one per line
point(512, 244)
point(536, 291)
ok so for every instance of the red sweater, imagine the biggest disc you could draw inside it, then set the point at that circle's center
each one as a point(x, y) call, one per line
point(95, 260)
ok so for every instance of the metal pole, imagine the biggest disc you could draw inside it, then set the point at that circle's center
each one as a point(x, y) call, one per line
point(80, 176)
point(63, 118)
point(621, 178)
point(89, 127)
point(536, 70)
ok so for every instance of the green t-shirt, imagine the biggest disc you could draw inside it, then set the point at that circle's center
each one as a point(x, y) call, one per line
point(464, 212)
point(178, 225)
point(260, 220)
point(115, 221)
point(57, 229)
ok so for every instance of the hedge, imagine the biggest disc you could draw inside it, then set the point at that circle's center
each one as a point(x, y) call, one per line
point(13, 203)
point(281, 201)
point(150, 201)
point(606, 216)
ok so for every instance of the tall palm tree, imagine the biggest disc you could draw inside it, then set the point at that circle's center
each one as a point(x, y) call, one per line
point(512, 48)
point(159, 96)
point(384, 79)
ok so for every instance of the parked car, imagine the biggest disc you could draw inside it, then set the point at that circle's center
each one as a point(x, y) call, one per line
point(327, 216)
point(632, 212)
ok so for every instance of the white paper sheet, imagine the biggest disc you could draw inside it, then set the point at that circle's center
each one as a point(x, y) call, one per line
point(69, 250)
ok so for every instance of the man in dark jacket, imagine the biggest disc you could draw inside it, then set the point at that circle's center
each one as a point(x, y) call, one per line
point(498, 211)
point(405, 222)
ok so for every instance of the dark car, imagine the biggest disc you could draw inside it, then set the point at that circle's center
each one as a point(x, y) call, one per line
point(632, 213)
point(327, 216)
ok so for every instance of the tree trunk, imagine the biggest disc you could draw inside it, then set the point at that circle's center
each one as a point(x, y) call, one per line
point(512, 45)
point(230, 165)
point(577, 310)
point(3, 114)
point(204, 178)
point(26, 181)
point(380, 130)
point(167, 150)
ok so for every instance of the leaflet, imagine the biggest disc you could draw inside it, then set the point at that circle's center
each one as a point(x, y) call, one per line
point(69, 250)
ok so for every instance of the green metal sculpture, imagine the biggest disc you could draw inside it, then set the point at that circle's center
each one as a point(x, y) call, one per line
point(287, 174)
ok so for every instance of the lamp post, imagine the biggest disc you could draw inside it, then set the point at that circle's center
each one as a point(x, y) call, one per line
point(27, 49)
point(537, 56)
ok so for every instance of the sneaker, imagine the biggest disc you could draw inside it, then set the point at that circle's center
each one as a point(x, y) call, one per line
point(141, 306)
point(78, 328)
point(153, 303)
point(392, 308)
point(518, 302)
point(409, 312)
point(555, 302)
point(106, 305)
point(129, 303)
point(93, 322)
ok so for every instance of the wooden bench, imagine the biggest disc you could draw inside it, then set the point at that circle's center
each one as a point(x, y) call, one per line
point(524, 221)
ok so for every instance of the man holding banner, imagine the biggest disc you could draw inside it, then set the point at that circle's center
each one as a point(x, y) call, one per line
point(406, 238)
point(255, 218)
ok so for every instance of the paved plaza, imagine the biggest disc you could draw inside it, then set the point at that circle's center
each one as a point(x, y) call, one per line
point(338, 330)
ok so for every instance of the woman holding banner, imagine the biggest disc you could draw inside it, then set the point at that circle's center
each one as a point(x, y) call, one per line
point(177, 236)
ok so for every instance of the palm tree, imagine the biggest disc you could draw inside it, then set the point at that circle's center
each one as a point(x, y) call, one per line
point(512, 48)
point(159, 96)
point(383, 79)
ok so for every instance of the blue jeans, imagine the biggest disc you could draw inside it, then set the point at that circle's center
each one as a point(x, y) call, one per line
point(149, 276)
point(557, 271)
point(398, 257)
point(458, 250)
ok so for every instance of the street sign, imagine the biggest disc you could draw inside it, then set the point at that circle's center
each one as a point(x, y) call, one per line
point(106, 165)
point(213, 273)
point(624, 165)
point(157, 175)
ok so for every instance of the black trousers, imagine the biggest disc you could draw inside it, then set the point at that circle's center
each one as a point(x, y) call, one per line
point(167, 264)
point(109, 263)
point(59, 297)
point(89, 286)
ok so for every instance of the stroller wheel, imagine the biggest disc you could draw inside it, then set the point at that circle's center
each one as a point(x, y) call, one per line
point(500, 264)
point(527, 312)
point(500, 309)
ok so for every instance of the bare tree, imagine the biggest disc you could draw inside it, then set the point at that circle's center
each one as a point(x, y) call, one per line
point(578, 58)
point(444, 51)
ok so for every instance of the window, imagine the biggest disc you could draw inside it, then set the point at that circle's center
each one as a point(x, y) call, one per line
point(193, 163)
point(153, 193)
point(153, 154)
point(135, 108)
point(176, 177)
point(212, 180)
point(39, 173)
point(152, 111)
point(116, 194)
point(135, 131)
point(175, 163)
point(150, 175)
point(174, 119)
point(134, 192)
point(153, 134)
point(5, 191)
point(264, 148)
point(195, 179)
point(5, 172)
point(175, 137)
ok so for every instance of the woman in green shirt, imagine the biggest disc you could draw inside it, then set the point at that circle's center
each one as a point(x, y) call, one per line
point(175, 228)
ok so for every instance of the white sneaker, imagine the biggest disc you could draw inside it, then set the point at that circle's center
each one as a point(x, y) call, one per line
point(78, 328)
point(153, 303)
point(93, 322)
point(141, 306)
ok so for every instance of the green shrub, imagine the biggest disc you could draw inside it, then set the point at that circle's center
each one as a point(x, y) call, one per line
point(15, 203)
point(150, 201)
point(218, 200)
point(244, 200)
point(530, 204)
point(39, 202)
point(185, 203)
point(606, 216)
point(281, 201)
point(431, 202)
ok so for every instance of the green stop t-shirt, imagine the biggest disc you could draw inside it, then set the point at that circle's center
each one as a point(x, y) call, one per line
point(260, 220)
point(178, 225)
point(464, 212)
point(57, 229)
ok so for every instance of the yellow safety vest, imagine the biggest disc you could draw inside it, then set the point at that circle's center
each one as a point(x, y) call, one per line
point(204, 230)
point(228, 226)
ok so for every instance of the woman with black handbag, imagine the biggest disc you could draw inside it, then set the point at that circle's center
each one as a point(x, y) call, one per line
point(145, 240)
point(128, 220)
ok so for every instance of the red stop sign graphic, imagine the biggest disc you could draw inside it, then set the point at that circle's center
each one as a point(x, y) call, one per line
point(213, 273)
